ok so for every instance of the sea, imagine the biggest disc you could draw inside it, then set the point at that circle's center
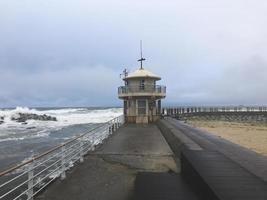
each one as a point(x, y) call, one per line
point(19, 141)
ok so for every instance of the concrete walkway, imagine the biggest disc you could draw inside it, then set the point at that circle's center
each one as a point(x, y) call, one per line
point(110, 171)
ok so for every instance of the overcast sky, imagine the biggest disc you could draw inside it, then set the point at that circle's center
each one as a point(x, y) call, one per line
point(70, 53)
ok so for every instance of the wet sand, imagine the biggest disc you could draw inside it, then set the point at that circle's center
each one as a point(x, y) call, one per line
point(250, 135)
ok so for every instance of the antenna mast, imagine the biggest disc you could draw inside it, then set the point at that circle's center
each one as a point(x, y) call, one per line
point(141, 59)
point(124, 73)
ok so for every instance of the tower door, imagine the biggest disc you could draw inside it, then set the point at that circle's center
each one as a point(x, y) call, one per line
point(142, 107)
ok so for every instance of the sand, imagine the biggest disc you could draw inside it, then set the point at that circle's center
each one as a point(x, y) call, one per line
point(250, 135)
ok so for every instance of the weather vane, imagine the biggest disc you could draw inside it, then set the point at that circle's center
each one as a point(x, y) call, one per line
point(141, 59)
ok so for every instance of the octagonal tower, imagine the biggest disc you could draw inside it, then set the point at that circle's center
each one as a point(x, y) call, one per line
point(141, 96)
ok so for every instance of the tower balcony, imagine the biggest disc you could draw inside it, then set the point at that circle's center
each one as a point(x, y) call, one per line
point(157, 91)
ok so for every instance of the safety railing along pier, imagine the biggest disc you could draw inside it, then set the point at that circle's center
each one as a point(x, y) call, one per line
point(26, 180)
point(142, 89)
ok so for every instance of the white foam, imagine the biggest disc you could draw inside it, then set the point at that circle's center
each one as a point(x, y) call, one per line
point(16, 137)
point(65, 117)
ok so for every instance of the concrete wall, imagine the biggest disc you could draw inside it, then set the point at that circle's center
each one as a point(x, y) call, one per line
point(176, 139)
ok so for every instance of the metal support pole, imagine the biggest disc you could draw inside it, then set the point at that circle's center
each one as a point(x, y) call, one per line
point(30, 181)
point(63, 163)
point(117, 123)
point(109, 129)
point(81, 151)
point(114, 125)
point(94, 140)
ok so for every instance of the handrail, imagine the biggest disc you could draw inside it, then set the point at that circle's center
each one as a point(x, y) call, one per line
point(45, 153)
point(142, 88)
point(41, 155)
point(45, 167)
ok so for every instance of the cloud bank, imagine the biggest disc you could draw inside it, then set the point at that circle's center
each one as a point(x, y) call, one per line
point(70, 53)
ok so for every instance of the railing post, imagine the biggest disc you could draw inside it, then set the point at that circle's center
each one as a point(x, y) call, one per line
point(81, 151)
point(118, 122)
point(123, 119)
point(110, 128)
point(114, 125)
point(63, 163)
point(93, 143)
point(30, 181)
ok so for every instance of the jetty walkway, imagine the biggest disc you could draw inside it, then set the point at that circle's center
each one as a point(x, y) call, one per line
point(170, 160)
point(110, 172)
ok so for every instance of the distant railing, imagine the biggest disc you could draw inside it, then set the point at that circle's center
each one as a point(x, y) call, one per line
point(185, 110)
point(157, 89)
point(26, 180)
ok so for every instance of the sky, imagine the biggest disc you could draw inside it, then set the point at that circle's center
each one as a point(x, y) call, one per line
point(71, 52)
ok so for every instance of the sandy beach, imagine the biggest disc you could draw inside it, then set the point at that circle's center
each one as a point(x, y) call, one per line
point(250, 135)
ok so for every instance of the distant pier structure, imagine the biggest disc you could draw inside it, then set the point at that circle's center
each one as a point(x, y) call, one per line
point(224, 113)
point(141, 95)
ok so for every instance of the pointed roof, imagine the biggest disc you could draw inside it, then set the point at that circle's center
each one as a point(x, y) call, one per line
point(142, 73)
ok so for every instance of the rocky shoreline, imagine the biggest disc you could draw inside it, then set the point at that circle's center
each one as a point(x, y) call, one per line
point(23, 117)
point(2, 119)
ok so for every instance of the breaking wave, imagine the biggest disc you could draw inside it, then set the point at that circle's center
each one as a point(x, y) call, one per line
point(13, 130)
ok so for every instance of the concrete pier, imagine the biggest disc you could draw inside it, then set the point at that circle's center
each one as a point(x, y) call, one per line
point(167, 161)
point(110, 171)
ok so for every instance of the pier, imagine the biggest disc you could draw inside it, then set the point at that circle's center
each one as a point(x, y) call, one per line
point(165, 160)
point(110, 171)
point(169, 160)
point(148, 153)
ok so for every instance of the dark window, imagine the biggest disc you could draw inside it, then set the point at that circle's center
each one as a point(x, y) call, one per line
point(142, 84)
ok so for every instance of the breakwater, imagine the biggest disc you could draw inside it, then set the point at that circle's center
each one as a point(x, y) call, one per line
point(233, 114)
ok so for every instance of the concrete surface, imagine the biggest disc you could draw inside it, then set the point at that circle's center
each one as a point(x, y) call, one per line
point(110, 171)
point(162, 186)
point(250, 160)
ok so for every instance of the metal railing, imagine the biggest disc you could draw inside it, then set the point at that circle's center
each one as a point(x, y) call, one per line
point(26, 180)
point(156, 89)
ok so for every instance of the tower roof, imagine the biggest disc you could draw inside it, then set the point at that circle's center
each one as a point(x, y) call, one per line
point(142, 73)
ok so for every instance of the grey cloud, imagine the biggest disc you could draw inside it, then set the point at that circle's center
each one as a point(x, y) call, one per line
point(81, 86)
point(63, 53)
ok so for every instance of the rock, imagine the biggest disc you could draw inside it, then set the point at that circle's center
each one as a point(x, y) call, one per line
point(2, 118)
point(32, 127)
point(23, 117)
point(1, 122)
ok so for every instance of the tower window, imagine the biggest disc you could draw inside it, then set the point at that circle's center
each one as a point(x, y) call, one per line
point(142, 84)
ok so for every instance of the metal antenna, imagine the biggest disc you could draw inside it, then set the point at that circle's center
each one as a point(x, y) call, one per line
point(124, 73)
point(141, 59)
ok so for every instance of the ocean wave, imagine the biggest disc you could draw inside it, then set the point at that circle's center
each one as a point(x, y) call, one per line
point(64, 116)
point(16, 137)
